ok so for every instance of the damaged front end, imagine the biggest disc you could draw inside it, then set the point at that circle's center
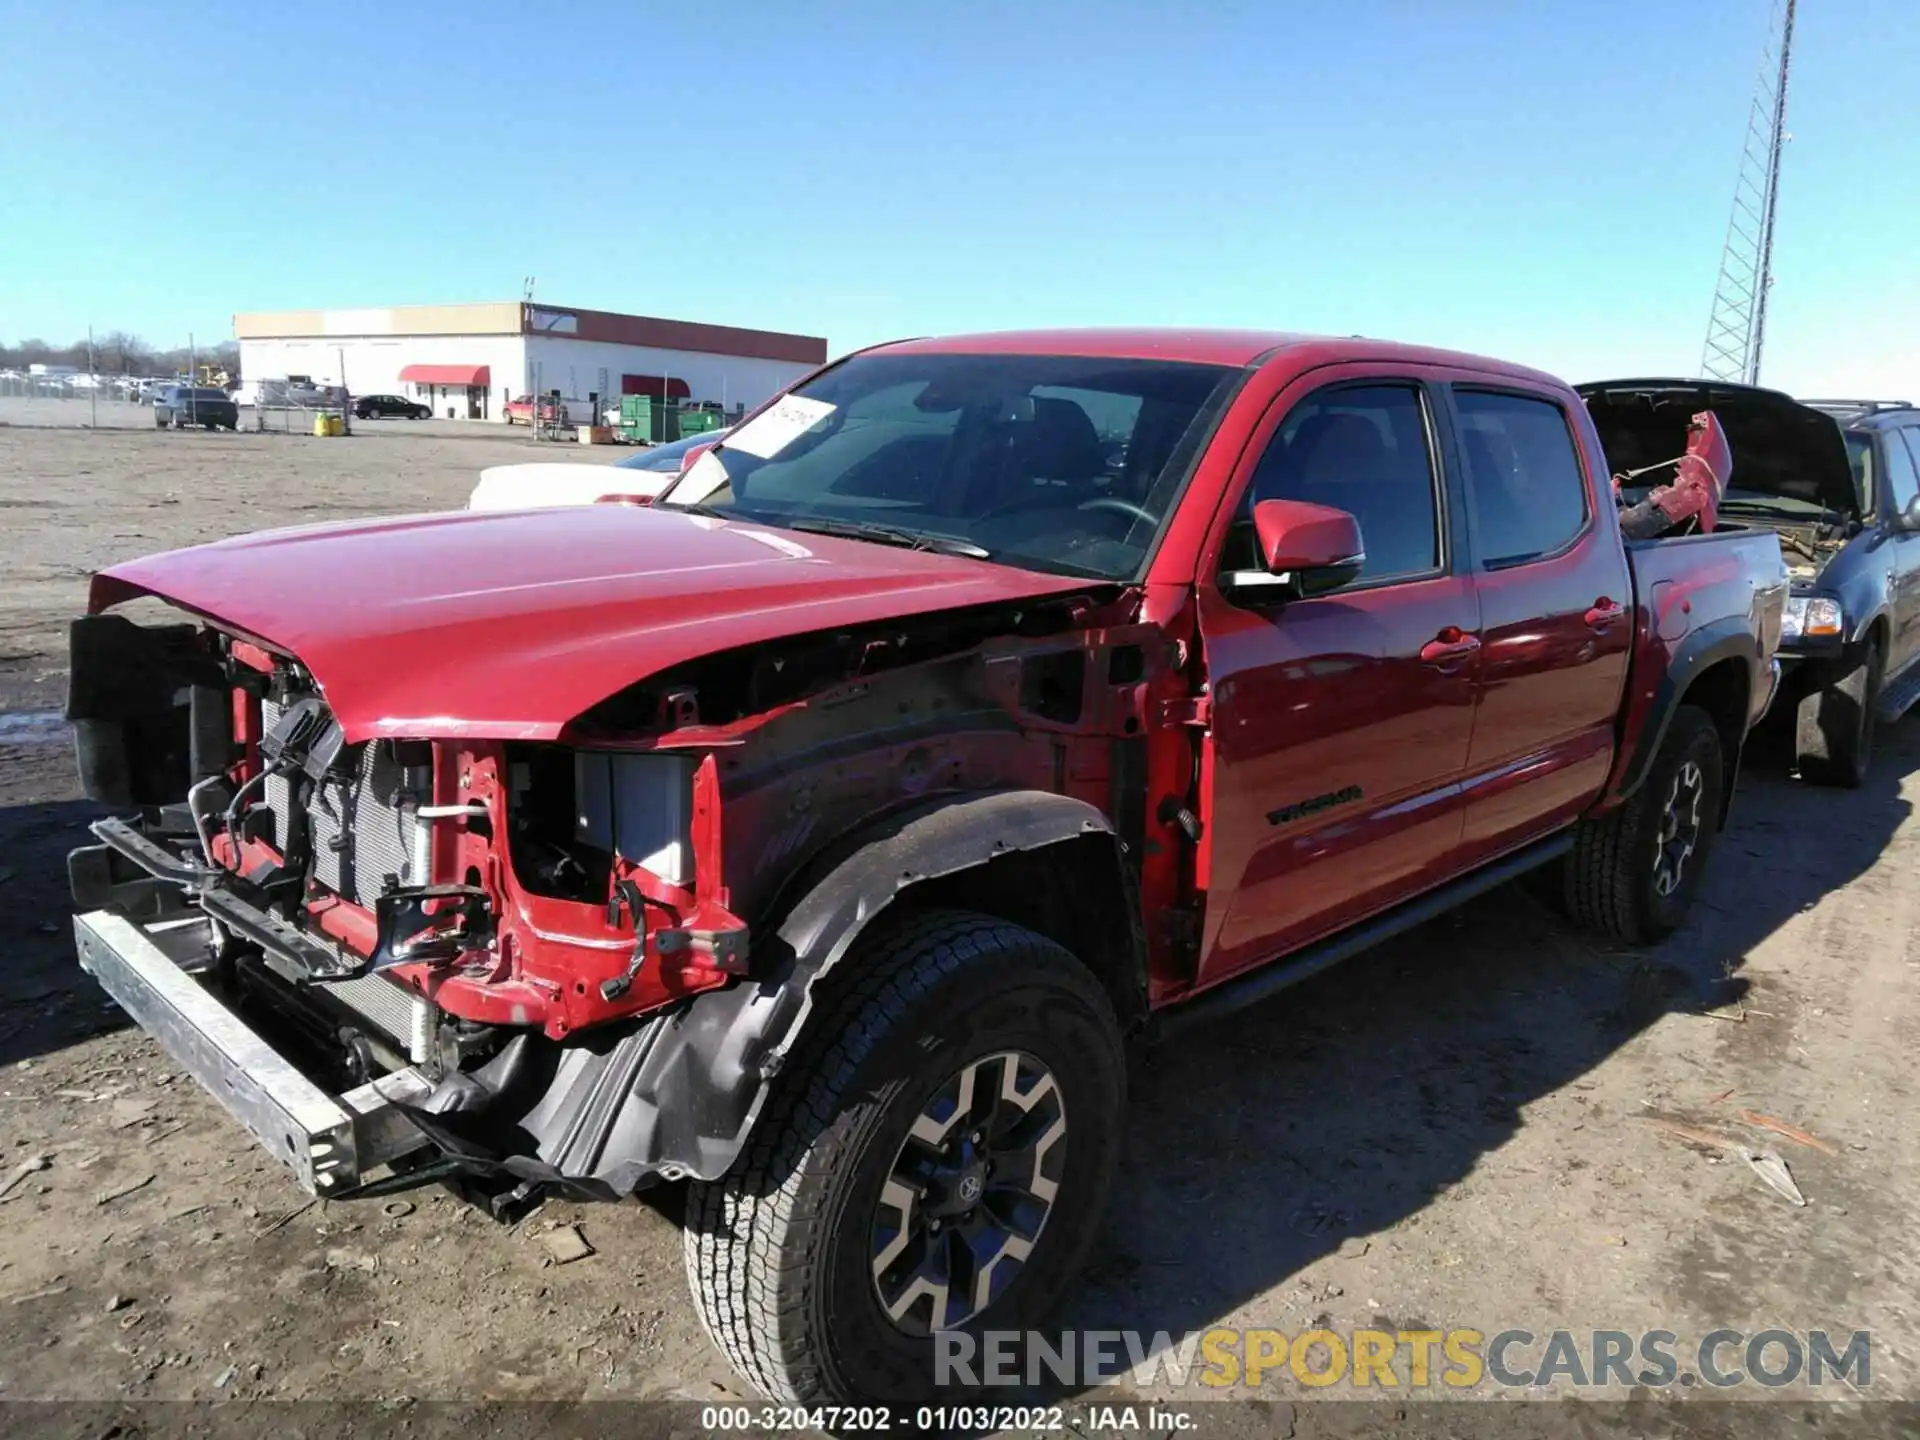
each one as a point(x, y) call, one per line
point(465, 953)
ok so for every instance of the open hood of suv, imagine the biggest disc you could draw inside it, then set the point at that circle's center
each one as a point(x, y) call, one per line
point(1780, 447)
point(510, 624)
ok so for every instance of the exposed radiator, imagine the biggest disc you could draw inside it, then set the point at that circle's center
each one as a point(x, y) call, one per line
point(360, 832)
point(406, 1017)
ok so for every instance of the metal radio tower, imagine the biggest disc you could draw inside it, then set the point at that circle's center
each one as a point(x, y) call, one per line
point(1737, 328)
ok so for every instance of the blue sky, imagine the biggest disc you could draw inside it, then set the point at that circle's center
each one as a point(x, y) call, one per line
point(1547, 182)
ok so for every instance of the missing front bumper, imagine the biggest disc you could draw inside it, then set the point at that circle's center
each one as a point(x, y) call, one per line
point(330, 1142)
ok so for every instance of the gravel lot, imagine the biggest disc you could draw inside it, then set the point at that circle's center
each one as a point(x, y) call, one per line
point(1451, 1131)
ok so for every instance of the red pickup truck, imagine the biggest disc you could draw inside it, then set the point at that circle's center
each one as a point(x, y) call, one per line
point(818, 834)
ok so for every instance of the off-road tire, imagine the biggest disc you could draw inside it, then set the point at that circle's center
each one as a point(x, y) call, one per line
point(1833, 724)
point(778, 1251)
point(1609, 879)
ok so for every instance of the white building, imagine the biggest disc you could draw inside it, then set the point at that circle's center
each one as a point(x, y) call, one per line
point(467, 361)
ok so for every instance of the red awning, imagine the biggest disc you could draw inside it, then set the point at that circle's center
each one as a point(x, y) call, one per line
point(446, 374)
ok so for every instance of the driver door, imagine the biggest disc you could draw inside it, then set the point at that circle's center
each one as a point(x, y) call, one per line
point(1341, 723)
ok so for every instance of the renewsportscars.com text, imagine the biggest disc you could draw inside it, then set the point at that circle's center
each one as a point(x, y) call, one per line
point(1399, 1359)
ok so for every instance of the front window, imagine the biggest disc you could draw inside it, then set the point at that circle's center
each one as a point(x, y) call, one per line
point(1051, 462)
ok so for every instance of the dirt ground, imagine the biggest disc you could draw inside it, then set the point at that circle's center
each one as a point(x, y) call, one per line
point(1455, 1130)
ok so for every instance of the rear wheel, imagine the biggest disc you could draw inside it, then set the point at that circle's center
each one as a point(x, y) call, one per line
point(1634, 871)
point(1834, 724)
point(935, 1156)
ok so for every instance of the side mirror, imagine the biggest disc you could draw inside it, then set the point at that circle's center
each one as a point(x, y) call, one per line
point(1304, 548)
point(1910, 517)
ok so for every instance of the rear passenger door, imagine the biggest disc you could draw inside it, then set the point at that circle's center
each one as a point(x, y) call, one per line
point(1556, 617)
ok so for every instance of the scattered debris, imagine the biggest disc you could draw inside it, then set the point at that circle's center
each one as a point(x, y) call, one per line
point(566, 1244)
point(1353, 1247)
point(397, 1208)
point(45, 1293)
point(1692, 1134)
point(344, 1259)
point(25, 1168)
point(132, 1319)
point(86, 1096)
point(225, 1377)
point(117, 1302)
point(173, 1129)
point(1613, 1240)
point(1792, 1132)
point(107, 1197)
point(189, 1212)
point(128, 1113)
point(1723, 1096)
point(293, 1214)
point(1768, 1165)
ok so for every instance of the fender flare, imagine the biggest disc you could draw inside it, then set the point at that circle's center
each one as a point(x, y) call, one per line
point(677, 1095)
point(1860, 631)
point(1727, 639)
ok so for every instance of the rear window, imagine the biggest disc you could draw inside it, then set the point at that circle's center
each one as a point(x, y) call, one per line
point(1529, 496)
point(204, 394)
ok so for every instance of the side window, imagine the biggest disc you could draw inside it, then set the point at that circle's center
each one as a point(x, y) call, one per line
point(1902, 480)
point(1528, 495)
point(1362, 449)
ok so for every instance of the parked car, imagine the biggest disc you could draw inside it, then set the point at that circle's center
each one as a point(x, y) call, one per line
point(641, 476)
point(369, 407)
point(551, 411)
point(182, 405)
point(1839, 483)
point(817, 833)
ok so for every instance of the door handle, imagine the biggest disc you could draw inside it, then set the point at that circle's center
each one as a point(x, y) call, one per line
point(1452, 643)
point(1604, 613)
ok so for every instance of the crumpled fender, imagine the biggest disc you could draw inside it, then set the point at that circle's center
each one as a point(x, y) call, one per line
point(676, 1095)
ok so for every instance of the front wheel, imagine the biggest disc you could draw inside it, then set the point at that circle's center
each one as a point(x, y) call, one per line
point(1833, 724)
point(935, 1156)
point(1634, 871)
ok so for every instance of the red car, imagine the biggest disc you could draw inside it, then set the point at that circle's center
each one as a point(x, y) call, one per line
point(520, 411)
point(817, 834)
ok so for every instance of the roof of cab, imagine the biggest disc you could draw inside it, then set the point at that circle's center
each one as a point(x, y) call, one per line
point(1205, 347)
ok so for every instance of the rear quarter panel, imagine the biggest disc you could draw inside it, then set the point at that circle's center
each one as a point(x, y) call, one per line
point(1699, 599)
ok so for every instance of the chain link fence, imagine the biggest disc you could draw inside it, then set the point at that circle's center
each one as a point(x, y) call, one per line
point(109, 386)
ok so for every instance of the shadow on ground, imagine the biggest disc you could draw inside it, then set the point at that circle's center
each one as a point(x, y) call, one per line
point(1343, 1106)
point(46, 1001)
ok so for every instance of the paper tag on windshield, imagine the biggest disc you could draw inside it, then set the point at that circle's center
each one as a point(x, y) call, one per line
point(778, 426)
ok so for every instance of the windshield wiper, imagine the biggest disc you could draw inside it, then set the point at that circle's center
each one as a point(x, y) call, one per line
point(694, 507)
point(1816, 512)
point(883, 534)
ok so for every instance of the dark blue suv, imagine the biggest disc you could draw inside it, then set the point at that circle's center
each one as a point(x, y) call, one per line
point(1839, 482)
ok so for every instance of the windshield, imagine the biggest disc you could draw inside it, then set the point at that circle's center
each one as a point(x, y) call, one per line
point(1860, 456)
point(1058, 463)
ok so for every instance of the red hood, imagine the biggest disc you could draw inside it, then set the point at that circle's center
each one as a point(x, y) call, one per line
point(509, 624)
